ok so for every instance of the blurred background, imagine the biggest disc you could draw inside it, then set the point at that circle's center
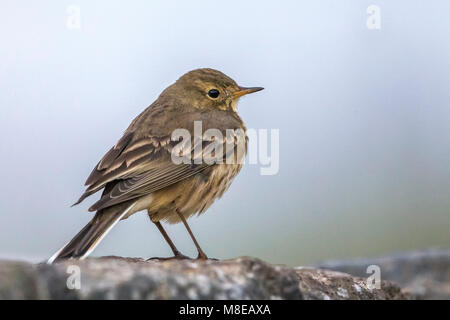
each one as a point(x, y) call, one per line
point(363, 115)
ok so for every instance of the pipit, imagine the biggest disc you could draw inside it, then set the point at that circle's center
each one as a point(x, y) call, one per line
point(142, 170)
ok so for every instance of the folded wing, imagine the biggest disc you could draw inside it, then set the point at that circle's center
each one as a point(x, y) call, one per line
point(137, 167)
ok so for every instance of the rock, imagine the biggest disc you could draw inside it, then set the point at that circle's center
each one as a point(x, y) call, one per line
point(423, 274)
point(319, 284)
point(131, 278)
point(18, 280)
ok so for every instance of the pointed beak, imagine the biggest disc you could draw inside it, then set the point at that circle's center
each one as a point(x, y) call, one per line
point(243, 91)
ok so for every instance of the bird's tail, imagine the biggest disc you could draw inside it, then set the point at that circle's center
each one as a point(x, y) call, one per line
point(90, 236)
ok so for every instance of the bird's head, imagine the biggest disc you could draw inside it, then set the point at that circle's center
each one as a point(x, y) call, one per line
point(208, 89)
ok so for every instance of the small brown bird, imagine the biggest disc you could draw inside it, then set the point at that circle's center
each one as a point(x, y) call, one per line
point(141, 172)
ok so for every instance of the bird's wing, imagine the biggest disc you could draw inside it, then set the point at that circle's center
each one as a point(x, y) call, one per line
point(138, 167)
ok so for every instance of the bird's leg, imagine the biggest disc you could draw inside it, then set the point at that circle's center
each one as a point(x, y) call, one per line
point(201, 254)
point(177, 254)
point(166, 237)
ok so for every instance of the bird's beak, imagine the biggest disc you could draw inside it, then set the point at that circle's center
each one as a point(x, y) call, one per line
point(243, 91)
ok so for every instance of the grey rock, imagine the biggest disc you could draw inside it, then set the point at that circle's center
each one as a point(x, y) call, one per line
point(320, 284)
point(18, 280)
point(423, 274)
point(131, 278)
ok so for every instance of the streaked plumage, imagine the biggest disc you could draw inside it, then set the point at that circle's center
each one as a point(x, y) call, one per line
point(137, 173)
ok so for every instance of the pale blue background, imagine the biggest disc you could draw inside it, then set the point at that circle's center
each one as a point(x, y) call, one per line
point(363, 116)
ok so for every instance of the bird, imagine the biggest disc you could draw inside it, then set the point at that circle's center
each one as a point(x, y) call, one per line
point(150, 169)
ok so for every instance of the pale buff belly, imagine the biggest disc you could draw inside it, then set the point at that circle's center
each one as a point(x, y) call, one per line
point(190, 196)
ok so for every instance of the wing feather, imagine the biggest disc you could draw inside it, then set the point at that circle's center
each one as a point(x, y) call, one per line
point(139, 166)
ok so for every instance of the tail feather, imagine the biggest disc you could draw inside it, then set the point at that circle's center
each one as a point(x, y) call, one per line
point(90, 236)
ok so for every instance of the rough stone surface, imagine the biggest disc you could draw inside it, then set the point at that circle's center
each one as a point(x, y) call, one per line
point(320, 284)
point(130, 278)
point(423, 274)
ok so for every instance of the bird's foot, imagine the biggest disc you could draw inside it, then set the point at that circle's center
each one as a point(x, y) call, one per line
point(177, 256)
point(203, 256)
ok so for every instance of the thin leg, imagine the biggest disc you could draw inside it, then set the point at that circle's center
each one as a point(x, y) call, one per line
point(201, 254)
point(177, 254)
point(166, 237)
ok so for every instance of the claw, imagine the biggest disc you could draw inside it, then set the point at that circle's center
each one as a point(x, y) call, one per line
point(178, 256)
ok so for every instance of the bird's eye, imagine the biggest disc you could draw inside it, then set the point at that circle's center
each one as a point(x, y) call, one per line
point(213, 93)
